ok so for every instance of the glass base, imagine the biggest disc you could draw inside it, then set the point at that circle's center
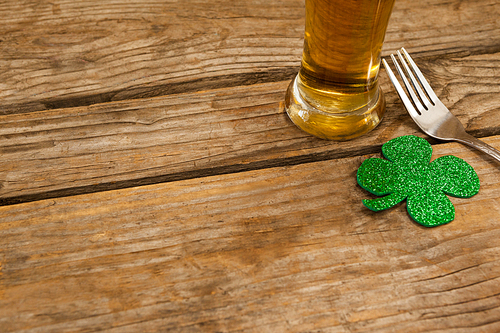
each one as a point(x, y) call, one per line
point(339, 126)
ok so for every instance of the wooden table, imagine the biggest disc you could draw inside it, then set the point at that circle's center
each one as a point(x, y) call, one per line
point(150, 180)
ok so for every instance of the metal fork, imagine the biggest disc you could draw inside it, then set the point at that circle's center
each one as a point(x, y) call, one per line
point(430, 114)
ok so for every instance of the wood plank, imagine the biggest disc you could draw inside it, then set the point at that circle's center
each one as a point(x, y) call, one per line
point(283, 249)
point(444, 27)
point(128, 143)
point(64, 53)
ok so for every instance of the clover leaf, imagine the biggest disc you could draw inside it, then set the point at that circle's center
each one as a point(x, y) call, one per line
point(408, 173)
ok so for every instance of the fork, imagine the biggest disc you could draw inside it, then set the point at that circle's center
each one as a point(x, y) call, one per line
point(423, 105)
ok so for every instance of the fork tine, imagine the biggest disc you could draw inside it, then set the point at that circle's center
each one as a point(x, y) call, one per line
point(407, 84)
point(399, 89)
point(428, 89)
point(414, 83)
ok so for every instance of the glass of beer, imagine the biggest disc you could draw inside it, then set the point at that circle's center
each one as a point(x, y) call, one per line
point(336, 94)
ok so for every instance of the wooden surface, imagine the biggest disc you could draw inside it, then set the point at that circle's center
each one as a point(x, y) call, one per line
point(151, 182)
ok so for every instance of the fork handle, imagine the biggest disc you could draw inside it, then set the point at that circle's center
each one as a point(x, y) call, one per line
point(480, 145)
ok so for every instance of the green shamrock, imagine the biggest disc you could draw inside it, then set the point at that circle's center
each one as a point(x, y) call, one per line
point(408, 174)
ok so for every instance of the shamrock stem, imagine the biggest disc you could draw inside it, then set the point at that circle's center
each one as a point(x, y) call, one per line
point(383, 203)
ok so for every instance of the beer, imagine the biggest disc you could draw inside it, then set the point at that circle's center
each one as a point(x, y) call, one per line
point(336, 94)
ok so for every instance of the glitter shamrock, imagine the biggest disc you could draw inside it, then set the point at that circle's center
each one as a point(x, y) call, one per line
point(408, 174)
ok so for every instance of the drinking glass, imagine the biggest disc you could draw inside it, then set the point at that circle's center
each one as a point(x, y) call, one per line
point(336, 94)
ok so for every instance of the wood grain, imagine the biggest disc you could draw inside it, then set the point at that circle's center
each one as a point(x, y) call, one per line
point(128, 143)
point(59, 54)
point(151, 182)
point(282, 249)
